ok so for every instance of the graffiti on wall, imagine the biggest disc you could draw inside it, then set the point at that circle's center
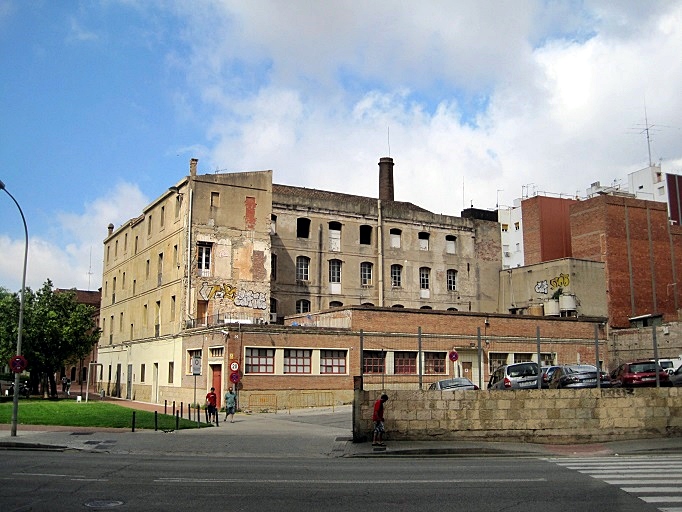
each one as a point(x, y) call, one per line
point(243, 298)
point(560, 281)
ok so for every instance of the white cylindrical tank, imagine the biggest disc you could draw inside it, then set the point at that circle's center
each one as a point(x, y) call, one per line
point(567, 302)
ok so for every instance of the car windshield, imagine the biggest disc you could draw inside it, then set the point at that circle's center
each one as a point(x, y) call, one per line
point(454, 383)
point(580, 368)
point(523, 370)
point(643, 367)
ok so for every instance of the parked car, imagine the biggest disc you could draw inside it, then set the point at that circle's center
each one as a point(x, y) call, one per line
point(458, 383)
point(676, 377)
point(515, 376)
point(578, 376)
point(639, 374)
point(547, 372)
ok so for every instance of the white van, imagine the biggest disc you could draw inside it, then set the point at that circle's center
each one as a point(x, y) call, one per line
point(670, 365)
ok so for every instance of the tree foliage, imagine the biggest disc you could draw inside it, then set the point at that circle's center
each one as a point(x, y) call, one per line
point(57, 330)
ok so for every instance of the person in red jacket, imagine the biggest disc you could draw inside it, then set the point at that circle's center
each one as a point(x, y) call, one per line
point(378, 419)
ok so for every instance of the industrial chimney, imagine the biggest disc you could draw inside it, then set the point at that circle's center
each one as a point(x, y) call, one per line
point(386, 178)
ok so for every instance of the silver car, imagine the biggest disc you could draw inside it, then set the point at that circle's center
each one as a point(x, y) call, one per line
point(515, 376)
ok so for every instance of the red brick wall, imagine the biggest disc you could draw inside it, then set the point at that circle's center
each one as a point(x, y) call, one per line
point(632, 237)
point(546, 229)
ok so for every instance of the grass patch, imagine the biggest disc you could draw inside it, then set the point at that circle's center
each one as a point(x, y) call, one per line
point(91, 414)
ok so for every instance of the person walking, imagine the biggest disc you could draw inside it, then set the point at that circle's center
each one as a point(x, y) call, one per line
point(378, 419)
point(64, 379)
point(211, 402)
point(230, 405)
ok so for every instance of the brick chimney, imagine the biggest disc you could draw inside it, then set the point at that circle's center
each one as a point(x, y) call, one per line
point(110, 229)
point(386, 178)
point(193, 166)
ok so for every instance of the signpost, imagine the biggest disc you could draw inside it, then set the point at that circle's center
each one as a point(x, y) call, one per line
point(196, 370)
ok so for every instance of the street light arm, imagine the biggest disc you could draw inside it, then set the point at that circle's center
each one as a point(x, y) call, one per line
point(15, 402)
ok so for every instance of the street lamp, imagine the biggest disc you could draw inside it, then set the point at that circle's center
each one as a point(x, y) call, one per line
point(15, 402)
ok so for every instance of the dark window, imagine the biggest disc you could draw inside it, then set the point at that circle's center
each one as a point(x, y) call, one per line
point(405, 362)
point(365, 235)
point(303, 228)
point(373, 361)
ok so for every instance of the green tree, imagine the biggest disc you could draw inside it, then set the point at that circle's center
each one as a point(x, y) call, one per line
point(9, 322)
point(57, 330)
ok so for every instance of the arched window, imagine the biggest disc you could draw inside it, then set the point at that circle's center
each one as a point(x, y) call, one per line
point(366, 273)
point(396, 276)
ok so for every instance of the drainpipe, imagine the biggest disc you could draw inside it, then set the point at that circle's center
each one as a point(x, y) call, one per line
point(380, 248)
point(189, 254)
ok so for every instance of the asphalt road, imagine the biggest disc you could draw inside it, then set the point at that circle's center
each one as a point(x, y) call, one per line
point(49, 481)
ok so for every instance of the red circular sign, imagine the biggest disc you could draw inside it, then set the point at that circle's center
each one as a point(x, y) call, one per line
point(454, 356)
point(18, 364)
point(234, 377)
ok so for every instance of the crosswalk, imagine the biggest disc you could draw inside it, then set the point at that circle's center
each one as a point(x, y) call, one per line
point(654, 479)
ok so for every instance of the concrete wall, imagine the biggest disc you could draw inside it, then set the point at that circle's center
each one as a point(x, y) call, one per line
point(540, 416)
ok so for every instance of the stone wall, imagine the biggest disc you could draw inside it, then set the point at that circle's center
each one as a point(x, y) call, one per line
point(561, 416)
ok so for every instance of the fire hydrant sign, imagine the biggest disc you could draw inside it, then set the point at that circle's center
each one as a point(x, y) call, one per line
point(196, 366)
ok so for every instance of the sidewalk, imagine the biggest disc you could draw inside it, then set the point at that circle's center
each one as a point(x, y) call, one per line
point(318, 432)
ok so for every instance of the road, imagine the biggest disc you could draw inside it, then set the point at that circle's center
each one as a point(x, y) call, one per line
point(52, 481)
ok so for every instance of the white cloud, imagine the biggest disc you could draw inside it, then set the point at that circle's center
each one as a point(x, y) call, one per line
point(72, 256)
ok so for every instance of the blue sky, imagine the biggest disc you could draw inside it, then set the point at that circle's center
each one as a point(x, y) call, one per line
point(105, 101)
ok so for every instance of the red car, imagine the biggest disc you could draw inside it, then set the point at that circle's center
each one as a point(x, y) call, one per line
point(639, 374)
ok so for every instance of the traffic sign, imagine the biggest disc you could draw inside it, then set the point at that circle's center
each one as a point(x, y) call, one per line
point(234, 377)
point(196, 366)
point(454, 356)
point(234, 366)
point(18, 364)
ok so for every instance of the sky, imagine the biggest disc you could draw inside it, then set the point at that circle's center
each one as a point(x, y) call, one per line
point(104, 102)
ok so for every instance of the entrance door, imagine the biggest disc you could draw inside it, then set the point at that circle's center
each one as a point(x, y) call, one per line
point(129, 383)
point(216, 381)
point(467, 370)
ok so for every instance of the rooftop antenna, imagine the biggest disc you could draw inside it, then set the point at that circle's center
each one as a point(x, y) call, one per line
point(646, 129)
point(90, 268)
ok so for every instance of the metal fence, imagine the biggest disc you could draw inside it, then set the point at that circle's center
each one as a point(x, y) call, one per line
point(415, 361)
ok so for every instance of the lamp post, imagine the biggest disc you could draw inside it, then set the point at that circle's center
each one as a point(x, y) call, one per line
point(15, 402)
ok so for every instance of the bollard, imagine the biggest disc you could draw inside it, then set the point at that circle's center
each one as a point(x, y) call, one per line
point(165, 406)
point(177, 421)
point(198, 416)
point(133, 421)
point(182, 410)
point(173, 407)
point(156, 420)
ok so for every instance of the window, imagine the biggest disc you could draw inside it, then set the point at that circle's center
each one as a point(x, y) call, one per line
point(171, 370)
point(125, 243)
point(163, 216)
point(424, 277)
point(260, 360)
point(108, 252)
point(495, 360)
point(172, 311)
point(517, 226)
point(373, 361)
point(302, 268)
point(452, 280)
point(191, 356)
point(273, 267)
point(365, 235)
point(366, 273)
point(450, 244)
point(333, 361)
point(296, 361)
point(273, 309)
point(334, 271)
point(215, 199)
point(216, 352)
point(273, 224)
point(302, 306)
point(335, 236)
point(160, 270)
point(302, 228)
point(178, 203)
point(522, 358)
point(142, 372)
point(335, 304)
point(116, 249)
point(136, 244)
point(505, 227)
point(396, 276)
point(405, 362)
point(175, 255)
point(423, 241)
point(149, 225)
point(147, 270)
point(395, 233)
point(434, 362)
point(204, 258)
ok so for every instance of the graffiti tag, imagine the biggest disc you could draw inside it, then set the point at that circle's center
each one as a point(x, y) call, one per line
point(561, 281)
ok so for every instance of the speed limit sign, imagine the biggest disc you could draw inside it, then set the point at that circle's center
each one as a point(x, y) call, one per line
point(234, 366)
